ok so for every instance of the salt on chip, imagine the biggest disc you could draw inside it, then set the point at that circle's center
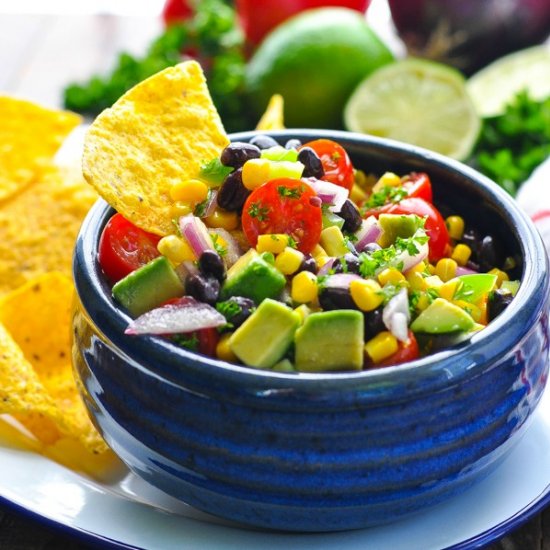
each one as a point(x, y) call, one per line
point(160, 132)
point(39, 225)
point(36, 379)
point(30, 135)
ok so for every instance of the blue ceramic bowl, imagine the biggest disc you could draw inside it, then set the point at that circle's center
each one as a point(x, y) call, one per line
point(322, 452)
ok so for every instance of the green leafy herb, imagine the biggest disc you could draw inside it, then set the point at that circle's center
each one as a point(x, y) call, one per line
point(513, 144)
point(386, 195)
point(290, 193)
point(256, 210)
point(214, 172)
point(218, 247)
point(228, 309)
point(187, 341)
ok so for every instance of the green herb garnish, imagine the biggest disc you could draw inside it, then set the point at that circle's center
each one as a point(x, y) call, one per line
point(214, 172)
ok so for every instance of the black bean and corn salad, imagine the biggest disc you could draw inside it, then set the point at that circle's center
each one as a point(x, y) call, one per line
point(286, 257)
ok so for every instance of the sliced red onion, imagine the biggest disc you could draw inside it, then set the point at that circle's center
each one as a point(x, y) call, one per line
point(233, 249)
point(185, 269)
point(186, 315)
point(408, 261)
point(329, 193)
point(211, 203)
point(326, 267)
point(368, 233)
point(396, 315)
point(196, 233)
point(341, 280)
point(460, 270)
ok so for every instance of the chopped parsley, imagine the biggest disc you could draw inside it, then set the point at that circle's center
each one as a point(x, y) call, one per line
point(214, 172)
point(290, 192)
point(228, 309)
point(218, 247)
point(187, 341)
point(388, 194)
point(256, 210)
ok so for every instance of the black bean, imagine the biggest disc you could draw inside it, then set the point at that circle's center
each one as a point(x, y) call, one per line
point(237, 153)
point(293, 144)
point(313, 167)
point(487, 254)
point(371, 247)
point(373, 323)
point(233, 194)
point(349, 263)
point(204, 289)
point(336, 298)
point(498, 302)
point(263, 142)
point(472, 239)
point(308, 264)
point(211, 263)
point(245, 308)
point(352, 217)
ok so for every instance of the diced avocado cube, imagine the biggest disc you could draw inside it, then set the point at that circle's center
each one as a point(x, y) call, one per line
point(330, 341)
point(397, 225)
point(252, 276)
point(148, 287)
point(263, 339)
point(332, 240)
point(442, 316)
point(473, 287)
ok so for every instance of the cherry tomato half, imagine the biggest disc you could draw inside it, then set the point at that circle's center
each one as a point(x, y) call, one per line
point(406, 352)
point(123, 248)
point(176, 10)
point(259, 17)
point(418, 184)
point(336, 162)
point(283, 205)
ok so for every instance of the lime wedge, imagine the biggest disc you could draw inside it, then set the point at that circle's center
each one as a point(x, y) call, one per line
point(419, 102)
point(493, 87)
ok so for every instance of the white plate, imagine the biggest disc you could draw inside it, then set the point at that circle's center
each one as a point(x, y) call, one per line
point(131, 514)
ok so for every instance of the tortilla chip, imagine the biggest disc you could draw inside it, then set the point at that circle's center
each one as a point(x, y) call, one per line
point(36, 380)
point(273, 118)
point(39, 225)
point(29, 137)
point(160, 132)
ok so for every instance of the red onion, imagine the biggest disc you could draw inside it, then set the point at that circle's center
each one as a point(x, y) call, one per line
point(465, 271)
point(233, 249)
point(329, 193)
point(408, 261)
point(196, 233)
point(211, 203)
point(326, 267)
point(185, 315)
point(341, 280)
point(185, 269)
point(469, 34)
point(396, 315)
point(368, 233)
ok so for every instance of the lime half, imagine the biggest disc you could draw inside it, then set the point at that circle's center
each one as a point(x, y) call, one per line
point(419, 102)
point(495, 86)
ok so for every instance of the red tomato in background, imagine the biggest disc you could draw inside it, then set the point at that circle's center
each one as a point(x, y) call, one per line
point(123, 248)
point(176, 10)
point(335, 160)
point(283, 206)
point(406, 352)
point(259, 17)
point(418, 185)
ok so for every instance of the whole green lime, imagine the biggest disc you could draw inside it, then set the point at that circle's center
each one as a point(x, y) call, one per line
point(314, 60)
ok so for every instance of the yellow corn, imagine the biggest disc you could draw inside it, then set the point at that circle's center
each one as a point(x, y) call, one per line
point(455, 227)
point(416, 280)
point(447, 290)
point(179, 209)
point(461, 254)
point(366, 294)
point(304, 287)
point(472, 309)
point(272, 242)
point(321, 260)
point(433, 281)
point(430, 269)
point(382, 346)
point(222, 219)
point(289, 261)
point(223, 350)
point(357, 194)
point(189, 191)
point(445, 269)
point(423, 302)
point(501, 276)
point(387, 179)
point(176, 249)
point(318, 250)
point(255, 173)
point(391, 275)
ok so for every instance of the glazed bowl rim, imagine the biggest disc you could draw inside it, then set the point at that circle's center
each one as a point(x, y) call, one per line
point(450, 364)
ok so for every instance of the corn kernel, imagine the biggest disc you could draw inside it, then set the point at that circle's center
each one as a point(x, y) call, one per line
point(272, 242)
point(304, 287)
point(445, 269)
point(318, 250)
point(366, 294)
point(321, 260)
point(447, 290)
point(461, 254)
point(501, 276)
point(391, 275)
point(420, 267)
point(289, 261)
point(357, 194)
point(177, 250)
point(433, 281)
point(431, 269)
point(388, 179)
point(179, 209)
point(423, 302)
point(416, 280)
point(470, 308)
point(255, 173)
point(223, 350)
point(303, 311)
point(382, 346)
point(455, 227)
point(223, 219)
point(189, 191)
